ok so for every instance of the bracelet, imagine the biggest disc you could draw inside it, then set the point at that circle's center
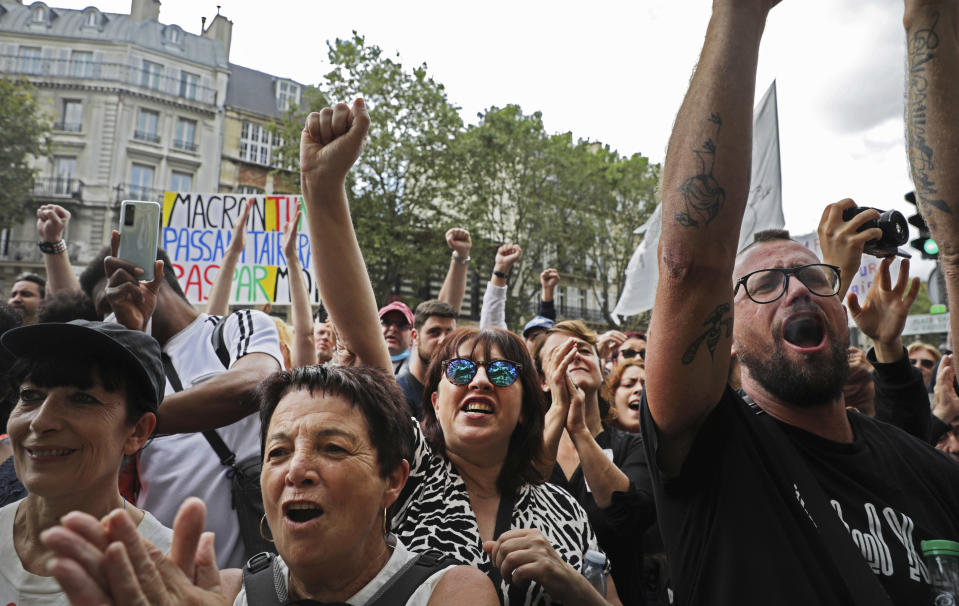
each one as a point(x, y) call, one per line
point(499, 274)
point(460, 259)
point(53, 248)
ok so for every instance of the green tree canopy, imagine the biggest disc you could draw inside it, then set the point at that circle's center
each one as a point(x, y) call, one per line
point(397, 187)
point(24, 134)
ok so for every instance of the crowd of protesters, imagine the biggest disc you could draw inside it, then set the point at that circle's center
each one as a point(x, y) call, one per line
point(737, 451)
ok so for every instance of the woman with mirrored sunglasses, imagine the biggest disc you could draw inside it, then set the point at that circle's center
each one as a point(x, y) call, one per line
point(602, 466)
point(476, 484)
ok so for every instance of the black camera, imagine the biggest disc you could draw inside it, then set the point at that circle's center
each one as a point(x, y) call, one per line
point(895, 232)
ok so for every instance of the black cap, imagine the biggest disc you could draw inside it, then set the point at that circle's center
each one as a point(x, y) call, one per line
point(133, 349)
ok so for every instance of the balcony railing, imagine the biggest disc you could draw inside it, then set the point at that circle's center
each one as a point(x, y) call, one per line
point(145, 136)
point(189, 146)
point(69, 127)
point(67, 187)
point(106, 72)
point(26, 251)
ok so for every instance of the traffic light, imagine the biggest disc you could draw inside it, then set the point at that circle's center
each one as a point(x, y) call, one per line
point(924, 243)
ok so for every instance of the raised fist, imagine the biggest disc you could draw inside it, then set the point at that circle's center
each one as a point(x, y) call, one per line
point(330, 143)
point(459, 241)
point(507, 255)
point(549, 279)
point(52, 219)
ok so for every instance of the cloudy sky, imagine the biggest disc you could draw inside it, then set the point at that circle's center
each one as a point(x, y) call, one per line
point(616, 71)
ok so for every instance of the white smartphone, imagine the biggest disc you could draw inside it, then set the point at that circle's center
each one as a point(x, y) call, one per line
point(139, 235)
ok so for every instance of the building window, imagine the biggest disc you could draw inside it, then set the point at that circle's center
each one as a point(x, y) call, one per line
point(181, 182)
point(151, 74)
point(256, 144)
point(173, 34)
point(72, 116)
point(147, 123)
point(30, 62)
point(91, 18)
point(185, 134)
point(64, 168)
point(189, 83)
point(287, 94)
point(81, 64)
point(39, 14)
point(250, 190)
point(141, 182)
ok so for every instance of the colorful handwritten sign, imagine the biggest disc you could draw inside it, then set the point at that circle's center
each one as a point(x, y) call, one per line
point(196, 230)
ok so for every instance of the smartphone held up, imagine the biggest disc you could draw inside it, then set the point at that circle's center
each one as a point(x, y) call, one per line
point(139, 235)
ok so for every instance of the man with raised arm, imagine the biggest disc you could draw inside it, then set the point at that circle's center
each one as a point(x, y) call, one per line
point(761, 494)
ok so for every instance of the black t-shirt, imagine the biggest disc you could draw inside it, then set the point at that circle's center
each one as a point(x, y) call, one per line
point(736, 532)
point(620, 527)
point(413, 390)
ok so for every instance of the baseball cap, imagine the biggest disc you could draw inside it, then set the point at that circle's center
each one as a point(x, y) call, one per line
point(401, 307)
point(537, 322)
point(136, 350)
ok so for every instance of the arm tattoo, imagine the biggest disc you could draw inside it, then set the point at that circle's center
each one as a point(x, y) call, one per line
point(714, 331)
point(921, 51)
point(702, 193)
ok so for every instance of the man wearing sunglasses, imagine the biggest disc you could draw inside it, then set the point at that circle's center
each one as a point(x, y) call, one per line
point(741, 521)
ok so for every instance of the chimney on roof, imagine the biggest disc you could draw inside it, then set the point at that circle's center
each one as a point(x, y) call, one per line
point(220, 29)
point(145, 10)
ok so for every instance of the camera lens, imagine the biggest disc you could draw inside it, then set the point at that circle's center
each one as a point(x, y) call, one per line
point(128, 215)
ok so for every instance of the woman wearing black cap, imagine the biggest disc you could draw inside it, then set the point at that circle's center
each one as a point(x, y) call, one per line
point(88, 394)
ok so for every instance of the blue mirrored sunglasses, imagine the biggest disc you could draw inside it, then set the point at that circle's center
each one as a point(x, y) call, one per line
point(501, 373)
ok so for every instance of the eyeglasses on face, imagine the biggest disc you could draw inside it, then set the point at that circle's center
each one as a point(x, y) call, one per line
point(501, 373)
point(927, 364)
point(632, 353)
point(767, 285)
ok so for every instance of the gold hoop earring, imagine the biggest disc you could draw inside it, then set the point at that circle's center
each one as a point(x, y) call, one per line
point(263, 534)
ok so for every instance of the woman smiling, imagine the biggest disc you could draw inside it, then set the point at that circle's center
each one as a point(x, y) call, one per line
point(75, 418)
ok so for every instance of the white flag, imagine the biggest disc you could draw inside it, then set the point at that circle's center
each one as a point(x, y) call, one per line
point(764, 210)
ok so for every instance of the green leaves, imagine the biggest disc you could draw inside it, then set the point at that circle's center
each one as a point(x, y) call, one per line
point(24, 135)
point(569, 204)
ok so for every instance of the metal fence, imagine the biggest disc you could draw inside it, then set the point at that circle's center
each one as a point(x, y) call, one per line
point(58, 186)
point(107, 72)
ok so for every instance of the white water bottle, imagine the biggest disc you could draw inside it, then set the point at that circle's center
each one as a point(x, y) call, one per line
point(594, 567)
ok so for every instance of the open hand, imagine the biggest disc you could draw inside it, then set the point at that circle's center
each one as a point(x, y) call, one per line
point(882, 316)
point(290, 238)
point(945, 399)
point(238, 239)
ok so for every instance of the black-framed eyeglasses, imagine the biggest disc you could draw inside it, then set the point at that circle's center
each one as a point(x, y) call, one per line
point(501, 373)
point(767, 285)
point(632, 353)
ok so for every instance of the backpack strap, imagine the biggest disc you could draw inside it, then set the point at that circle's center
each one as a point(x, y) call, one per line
point(398, 589)
point(259, 581)
point(861, 584)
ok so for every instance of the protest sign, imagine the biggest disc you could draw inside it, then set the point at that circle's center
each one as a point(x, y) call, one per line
point(197, 228)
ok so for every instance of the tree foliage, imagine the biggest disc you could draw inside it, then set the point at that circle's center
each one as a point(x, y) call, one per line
point(24, 135)
point(397, 186)
point(569, 204)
